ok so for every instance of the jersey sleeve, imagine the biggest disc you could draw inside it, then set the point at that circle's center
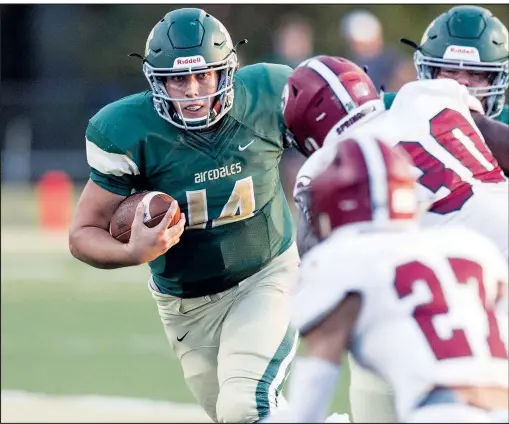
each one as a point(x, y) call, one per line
point(264, 83)
point(321, 286)
point(313, 166)
point(111, 167)
point(277, 77)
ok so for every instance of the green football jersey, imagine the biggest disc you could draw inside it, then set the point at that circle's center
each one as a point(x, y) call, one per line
point(503, 116)
point(226, 181)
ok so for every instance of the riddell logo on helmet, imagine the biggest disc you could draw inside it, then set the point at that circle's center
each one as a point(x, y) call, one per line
point(470, 54)
point(189, 62)
point(461, 50)
point(361, 89)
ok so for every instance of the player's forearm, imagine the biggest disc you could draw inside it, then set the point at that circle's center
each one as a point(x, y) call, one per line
point(312, 385)
point(97, 248)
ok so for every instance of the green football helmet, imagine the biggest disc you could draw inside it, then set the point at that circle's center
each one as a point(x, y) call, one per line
point(470, 38)
point(190, 41)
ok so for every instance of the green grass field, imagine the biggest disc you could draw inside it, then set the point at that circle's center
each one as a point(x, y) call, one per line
point(68, 328)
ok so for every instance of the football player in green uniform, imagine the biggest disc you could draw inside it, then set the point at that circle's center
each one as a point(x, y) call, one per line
point(209, 135)
point(470, 45)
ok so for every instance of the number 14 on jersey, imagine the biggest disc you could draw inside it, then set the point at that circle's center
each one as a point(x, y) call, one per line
point(240, 205)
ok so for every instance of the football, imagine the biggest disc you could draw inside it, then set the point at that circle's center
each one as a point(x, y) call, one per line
point(156, 205)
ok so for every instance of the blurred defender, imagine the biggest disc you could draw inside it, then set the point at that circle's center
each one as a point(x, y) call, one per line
point(207, 134)
point(329, 99)
point(425, 309)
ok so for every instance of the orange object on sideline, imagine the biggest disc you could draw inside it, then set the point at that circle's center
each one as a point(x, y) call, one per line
point(55, 193)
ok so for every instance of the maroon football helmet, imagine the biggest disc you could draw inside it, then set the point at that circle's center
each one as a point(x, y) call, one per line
point(368, 181)
point(324, 96)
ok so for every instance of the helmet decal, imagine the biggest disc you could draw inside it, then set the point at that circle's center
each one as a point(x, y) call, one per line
point(404, 200)
point(189, 62)
point(361, 89)
point(470, 54)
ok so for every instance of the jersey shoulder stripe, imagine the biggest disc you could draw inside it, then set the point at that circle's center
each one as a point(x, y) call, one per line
point(110, 163)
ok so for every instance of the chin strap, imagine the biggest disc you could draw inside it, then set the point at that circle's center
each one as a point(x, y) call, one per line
point(214, 111)
point(410, 43)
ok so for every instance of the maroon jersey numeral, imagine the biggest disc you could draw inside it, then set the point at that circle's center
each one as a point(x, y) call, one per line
point(464, 270)
point(437, 175)
point(457, 345)
point(442, 127)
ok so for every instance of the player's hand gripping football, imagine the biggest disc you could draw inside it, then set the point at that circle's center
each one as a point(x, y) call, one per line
point(146, 244)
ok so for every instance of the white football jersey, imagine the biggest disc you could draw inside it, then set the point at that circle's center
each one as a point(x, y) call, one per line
point(433, 123)
point(428, 314)
point(431, 120)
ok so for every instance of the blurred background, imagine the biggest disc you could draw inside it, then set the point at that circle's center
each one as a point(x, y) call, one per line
point(69, 329)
